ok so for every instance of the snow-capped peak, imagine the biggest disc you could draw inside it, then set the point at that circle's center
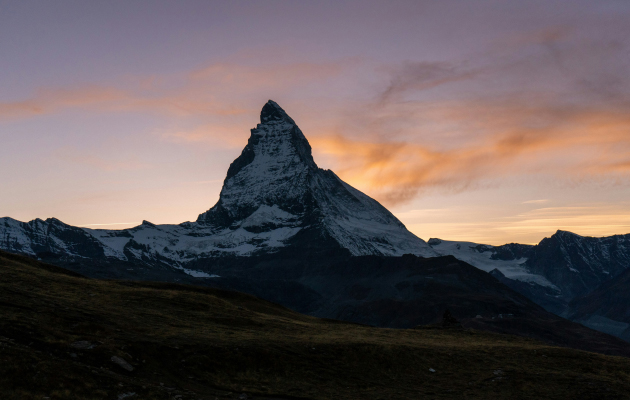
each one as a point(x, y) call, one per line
point(274, 196)
point(273, 112)
point(276, 169)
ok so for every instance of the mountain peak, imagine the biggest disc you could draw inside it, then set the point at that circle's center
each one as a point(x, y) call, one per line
point(271, 111)
point(565, 234)
point(275, 188)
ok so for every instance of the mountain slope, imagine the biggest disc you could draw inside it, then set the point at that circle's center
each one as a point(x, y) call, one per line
point(63, 336)
point(508, 264)
point(553, 272)
point(274, 197)
point(275, 185)
point(607, 308)
point(578, 264)
point(401, 292)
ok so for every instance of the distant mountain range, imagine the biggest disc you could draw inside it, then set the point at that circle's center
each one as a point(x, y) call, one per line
point(287, 231)
point(582, 278)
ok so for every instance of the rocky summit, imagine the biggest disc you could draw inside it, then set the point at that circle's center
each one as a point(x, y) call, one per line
point(274, 198)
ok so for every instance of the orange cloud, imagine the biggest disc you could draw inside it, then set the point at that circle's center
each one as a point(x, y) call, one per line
point(222, 135)
point(527, 226)
point(575, 143)
point(99, 98)
point(192, 94)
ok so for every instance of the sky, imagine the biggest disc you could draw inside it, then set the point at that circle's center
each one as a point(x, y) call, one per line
point(485, 121)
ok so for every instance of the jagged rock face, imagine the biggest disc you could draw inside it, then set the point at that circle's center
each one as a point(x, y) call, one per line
point(274, 198)
point(50, 236)
point(570, 263)
point(507, 260)
point(553, 272)
point(578, 264)
point(273, 170)
point(276, 184)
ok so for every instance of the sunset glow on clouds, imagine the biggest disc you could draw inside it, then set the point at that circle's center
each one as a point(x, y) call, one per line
point(492, 124)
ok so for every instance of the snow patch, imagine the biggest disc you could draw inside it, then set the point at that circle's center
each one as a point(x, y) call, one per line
point(512, 269)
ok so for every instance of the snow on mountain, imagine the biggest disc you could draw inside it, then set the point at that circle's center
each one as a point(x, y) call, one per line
point(488, 258)
point(556, 270)
point(578, 264)
point(276, 169)
point(274, 196)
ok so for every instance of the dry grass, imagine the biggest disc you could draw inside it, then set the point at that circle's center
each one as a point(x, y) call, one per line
point(204, 343)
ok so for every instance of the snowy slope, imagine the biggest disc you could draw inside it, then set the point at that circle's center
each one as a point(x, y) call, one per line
point(578, 264)
point(483, 257)
point(276, 169)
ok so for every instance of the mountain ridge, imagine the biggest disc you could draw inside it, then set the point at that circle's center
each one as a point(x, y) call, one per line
point(579, 277)
point(274, 197)
point(276, 201)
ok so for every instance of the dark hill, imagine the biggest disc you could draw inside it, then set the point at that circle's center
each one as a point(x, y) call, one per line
point(393, 292)
point(67, 337)
point(401, 292)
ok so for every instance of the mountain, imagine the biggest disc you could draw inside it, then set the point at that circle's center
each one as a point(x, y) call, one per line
point(382, 291)
point(63, 336)
point(290, 232)
point(508, 264)
point(274, 198)
point(578, 264)
point(591, 272)
point(510, 259)
point(401, 292)
point(607, 308)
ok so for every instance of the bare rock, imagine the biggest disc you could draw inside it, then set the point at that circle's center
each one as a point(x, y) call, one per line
point(122, 363)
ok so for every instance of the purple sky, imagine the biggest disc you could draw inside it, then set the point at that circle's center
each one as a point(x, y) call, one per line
point(489, 121)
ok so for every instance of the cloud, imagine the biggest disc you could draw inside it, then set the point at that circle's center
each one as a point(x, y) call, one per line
point(463, 222)
point(419, 76)
point(546, 103)
point(219, 89)
point(589, 219)
point(108, 99)
point(536, 201)
point(524, 140)
point(228, 134)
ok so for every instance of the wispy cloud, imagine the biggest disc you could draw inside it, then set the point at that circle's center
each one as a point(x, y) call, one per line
point(109, 99)
point(418, 76)
point(546, 102)
point(536, 201)
point(219, 89)
point(460, 223)
point(563, 144)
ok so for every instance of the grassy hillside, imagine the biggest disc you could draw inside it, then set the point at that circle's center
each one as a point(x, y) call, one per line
point(59, 333)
